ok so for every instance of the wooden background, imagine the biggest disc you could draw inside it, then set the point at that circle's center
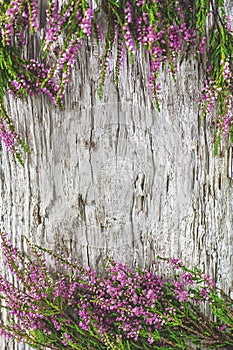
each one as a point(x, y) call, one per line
point(118, 177)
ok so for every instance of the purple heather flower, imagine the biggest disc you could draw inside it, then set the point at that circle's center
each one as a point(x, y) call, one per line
point(129, 41)
point(205, 293)
point(150, 339)
point(202, 46)
point(86, 21)
point(8, 136)
point(228, 23)
point(128, 13)
point(187, 277)
point(175, 262)
point(223, 327)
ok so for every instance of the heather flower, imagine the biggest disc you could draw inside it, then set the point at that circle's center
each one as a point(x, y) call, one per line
point(219, 95)
point(202, 46)
point(128, 13)
point(20, 15)
point(223, 327)
point(31, 82)
point(86, 21)
point(129, 41)
point(151, 339)
point(228, 23)
point(208, 280)
point(8, 136)
point(187, 277)
point(99, 32)
point(205, 293)
point(175, 262)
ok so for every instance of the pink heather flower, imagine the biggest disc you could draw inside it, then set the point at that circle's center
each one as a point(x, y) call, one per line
point(223, 327)
point(150, 339)
point(129, 41)
point(208, 281)
point(128, 13)
point(175, 38)
point(86, 22)
point(7, 136)
point(202, 46)
point(64, 342)
point(183, 296)
point(228, 23)
point(180, 13)
point(84, 326)
point(99, 32)
point(67, 336)
point(35, 24)
point(205, 293)
point(175, 262)
point(187, 277)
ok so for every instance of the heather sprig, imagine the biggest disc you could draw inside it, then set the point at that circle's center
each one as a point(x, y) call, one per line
point(69, 306)
point(12, 141)
point(217, 98)
point(16, 17)
point(43, 307)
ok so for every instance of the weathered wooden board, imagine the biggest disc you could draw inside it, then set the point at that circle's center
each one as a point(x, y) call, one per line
point(116, 176)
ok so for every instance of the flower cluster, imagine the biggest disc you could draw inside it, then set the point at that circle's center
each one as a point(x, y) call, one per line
point(163, 40)
point(74, 307)
point(30, 82)
point(8, 136)
point(184, 287)
point(78, 20)
point(128, 36)
point(19, 16)
point(126, 300)
point(217, 97)
point(40, 302)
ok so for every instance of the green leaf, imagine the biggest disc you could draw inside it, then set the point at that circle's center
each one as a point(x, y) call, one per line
point(217, 144)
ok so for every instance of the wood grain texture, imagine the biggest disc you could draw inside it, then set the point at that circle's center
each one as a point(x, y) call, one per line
point(118, 177)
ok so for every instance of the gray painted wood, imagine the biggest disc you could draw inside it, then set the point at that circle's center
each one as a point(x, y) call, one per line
point(117, 177)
